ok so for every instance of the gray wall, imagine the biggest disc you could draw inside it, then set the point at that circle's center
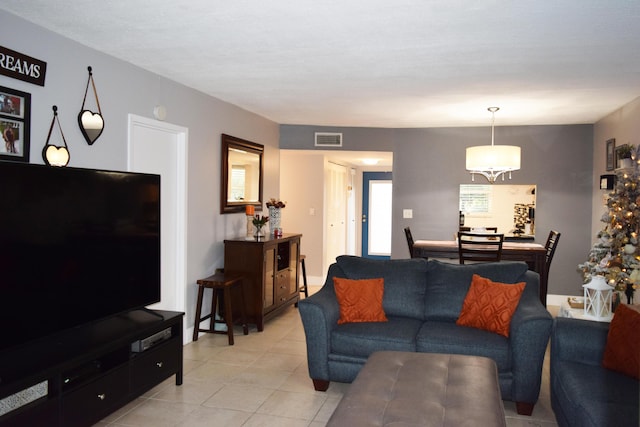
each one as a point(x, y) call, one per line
point(623, 125)
point(428, 163)
point(429, 166)
point(123, 89)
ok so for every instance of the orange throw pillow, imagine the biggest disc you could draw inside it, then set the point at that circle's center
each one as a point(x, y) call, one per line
point(360, 300)
point(622, 352)
point(490, 305)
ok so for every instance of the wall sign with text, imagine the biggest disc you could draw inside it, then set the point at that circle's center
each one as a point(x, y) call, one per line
point(22, 67)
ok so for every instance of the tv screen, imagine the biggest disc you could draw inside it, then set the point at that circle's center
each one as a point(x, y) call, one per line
point(76, 245)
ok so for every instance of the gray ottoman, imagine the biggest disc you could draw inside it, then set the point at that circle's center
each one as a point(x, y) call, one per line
point(422, 389)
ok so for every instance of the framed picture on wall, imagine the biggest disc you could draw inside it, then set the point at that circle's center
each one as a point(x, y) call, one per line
point(15, 121)
point(611, 154)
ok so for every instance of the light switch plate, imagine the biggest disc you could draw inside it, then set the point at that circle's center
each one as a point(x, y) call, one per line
point(407, 213)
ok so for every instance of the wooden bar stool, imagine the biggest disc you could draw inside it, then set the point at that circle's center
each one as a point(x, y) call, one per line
point(304, 288)
point(220, 282)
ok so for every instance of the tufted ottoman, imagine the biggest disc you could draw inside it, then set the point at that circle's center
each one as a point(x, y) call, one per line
point(422, 389)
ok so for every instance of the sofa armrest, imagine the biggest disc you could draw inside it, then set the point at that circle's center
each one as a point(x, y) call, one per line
point(577, 340)
point(528, 338)
point(320, 313)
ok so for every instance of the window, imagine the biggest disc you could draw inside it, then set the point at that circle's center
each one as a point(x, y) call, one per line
point(237, 182)
point(475, 198)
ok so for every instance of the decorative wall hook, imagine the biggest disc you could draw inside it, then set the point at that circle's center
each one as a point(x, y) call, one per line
point(54, 155)
point(91, 124)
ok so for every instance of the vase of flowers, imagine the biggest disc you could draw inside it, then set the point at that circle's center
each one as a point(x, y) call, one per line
point(259, 221)
point(275, 213)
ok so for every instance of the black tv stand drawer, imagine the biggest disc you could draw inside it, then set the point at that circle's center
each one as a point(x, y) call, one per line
point(95, 400)
point(156, 364)
point(96, 372)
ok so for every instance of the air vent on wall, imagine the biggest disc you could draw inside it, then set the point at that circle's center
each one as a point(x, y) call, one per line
point(328, 139)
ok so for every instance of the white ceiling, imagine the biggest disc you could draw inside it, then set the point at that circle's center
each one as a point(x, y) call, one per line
point(375, 63)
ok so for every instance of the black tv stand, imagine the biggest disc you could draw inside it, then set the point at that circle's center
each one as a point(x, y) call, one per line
point(90, 371)
point(152, 312)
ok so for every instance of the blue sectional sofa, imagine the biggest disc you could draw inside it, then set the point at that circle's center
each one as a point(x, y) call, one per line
point(583, 393)
point(422, 301)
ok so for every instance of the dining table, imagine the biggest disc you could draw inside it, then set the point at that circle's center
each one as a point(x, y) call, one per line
point(534, 254)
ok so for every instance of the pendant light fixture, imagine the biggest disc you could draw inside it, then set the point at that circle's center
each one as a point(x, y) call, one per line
point(493, 161)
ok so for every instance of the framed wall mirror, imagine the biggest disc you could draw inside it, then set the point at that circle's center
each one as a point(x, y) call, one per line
point(511, 208)
point(242, 174)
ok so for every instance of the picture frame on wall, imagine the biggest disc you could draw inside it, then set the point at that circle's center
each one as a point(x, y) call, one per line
point(611, 154)
point(15, 124)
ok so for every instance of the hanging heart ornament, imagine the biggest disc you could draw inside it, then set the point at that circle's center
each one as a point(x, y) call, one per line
point(56, 156)
point(91, 125)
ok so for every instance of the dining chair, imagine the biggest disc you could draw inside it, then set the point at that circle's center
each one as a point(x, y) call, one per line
point(407, 233)
point(472, 229)
point(479, 247)
point(550, 247)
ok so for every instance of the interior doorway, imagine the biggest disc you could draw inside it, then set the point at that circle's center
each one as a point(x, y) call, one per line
point(161, 148)
point(303, 185)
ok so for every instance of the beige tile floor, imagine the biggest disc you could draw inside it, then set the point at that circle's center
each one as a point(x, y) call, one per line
point(260, 381)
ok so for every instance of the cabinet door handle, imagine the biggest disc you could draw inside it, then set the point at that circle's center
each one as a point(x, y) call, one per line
point(159, 364)
point(102, 396)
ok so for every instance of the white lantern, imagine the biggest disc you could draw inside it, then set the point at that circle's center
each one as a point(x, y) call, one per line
point(597, 299)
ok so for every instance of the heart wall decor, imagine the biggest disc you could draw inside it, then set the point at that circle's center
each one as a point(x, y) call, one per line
point(54, 155)
point(91, 123)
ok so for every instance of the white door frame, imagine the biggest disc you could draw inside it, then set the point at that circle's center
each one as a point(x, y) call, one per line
point(180, 244)
point(335, 212)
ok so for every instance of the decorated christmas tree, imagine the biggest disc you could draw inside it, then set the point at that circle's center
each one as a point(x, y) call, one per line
point(616, 253)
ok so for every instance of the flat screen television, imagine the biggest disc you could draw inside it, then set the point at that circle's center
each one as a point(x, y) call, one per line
point(76, 246)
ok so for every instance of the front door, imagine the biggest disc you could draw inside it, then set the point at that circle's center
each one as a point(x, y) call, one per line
point(376, 214)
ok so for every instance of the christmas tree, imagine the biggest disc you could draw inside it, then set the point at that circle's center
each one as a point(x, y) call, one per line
point(616, 253)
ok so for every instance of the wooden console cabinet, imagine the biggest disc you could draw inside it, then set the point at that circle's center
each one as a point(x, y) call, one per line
point(92, 370)
point(270, 267)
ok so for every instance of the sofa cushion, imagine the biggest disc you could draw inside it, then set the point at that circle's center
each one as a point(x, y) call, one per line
point(360, 300)
point(447, 337)
point(404, 282)
point(362, 339)
point(622, 352)
point(449, 283)
point(490, 305)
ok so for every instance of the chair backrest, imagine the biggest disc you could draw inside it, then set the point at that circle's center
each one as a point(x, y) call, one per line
point(550, 246)
point(492, 229)
point(407, 233)
point(479, 247)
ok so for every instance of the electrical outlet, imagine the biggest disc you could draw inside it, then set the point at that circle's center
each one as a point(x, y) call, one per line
point(407, 213)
